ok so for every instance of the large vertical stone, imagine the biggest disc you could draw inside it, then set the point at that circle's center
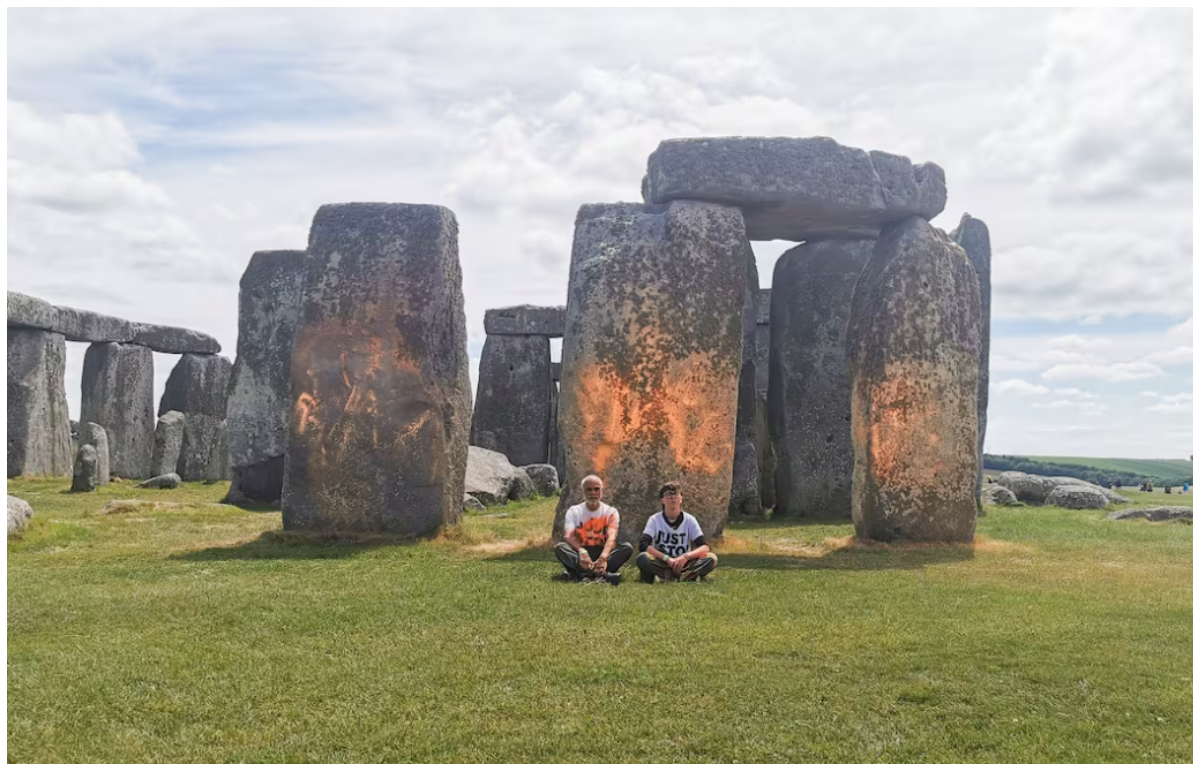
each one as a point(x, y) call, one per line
point(39, 432)
point(198, 385)
point(513, 399)
point(809, 390)
point(97, 437)
point(553, 453)
point(168, 441)
point(204, 450)
point(259, 387)
point(651, 356)
point(913, 347)
point(118, 393)
point(380, 385)
point(972, 235)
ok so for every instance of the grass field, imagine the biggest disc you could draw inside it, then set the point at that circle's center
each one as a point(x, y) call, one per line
point(1166, 469)
point(204, 634)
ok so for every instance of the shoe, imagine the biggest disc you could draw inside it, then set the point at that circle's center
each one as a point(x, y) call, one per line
point(612, 578)
point(692, 573)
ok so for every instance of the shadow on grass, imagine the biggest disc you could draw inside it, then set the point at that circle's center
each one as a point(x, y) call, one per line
point(279, 544)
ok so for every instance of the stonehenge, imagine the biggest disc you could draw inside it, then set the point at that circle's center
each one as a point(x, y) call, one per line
point(512, 401)
point(197, 389)
point(118, 393)
point(39, 433)
point(380, 389)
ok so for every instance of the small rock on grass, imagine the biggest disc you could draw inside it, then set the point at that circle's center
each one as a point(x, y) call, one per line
point(162, 481)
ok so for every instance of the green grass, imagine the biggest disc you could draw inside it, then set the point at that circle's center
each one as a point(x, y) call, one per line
point(1166, 469)
point(203, 634)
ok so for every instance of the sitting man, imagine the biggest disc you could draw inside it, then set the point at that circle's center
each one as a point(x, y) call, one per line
point(590, 550)
point(673, 547)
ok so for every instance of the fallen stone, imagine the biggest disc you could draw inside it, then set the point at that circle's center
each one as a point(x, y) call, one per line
point(168, 441)
point(913, 349)
point(797, 189)
point(994, 495)
point(1155, 513)
point(197, 385)
point(512, 402)
point(131, 505)
point(39, 433)
point(97, 437)
point(19, 511)
point(525, 320)
point(808, 399)
point(1029, 488)
point(380, 383)
point(493, 480)
point(471, 503)
point(972, 235)
point(259, 399)
point(1077, 497)
point(162, 481)
point(86, 477)
point(118, 393)
point(204, 451)
point(651, 357)
point(544, 477)
point(1112, 495)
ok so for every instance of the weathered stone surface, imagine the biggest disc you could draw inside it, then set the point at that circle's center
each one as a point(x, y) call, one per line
point(1155, 513)
point(380, 383)
point(168, 441)
point(493, 480)
point(162, 481)
point(97, 437)
point(652, 355)
point(197, 385)
point(913, 348)
point(744, 496)
point(808, 399)
point(544, 477)
point(39, 434)
point(26, 311)
point(995, 495)
point(552, 454)
point(546, 321)
point(797, 189)
point(19, 511)
point(259, 387)
point(471, 503)
point(118, 393)
point(90, 327)
point(1077, 497)
point(1111, 495)
point(556, 371)
point(204, 451)
point(513, 399)
point(766, 453)
point(972, 235)
point(1029, 488)
point(75, 432)
point(85, 479)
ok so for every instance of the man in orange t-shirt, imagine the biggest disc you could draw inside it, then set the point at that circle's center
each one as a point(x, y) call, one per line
point(589, 550)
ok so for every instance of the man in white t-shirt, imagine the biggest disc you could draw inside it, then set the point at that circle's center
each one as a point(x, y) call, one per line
point(589, 550)
point(673, 548)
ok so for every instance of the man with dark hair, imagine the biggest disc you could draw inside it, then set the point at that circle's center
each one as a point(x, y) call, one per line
point(589, 551)
point(673, 548)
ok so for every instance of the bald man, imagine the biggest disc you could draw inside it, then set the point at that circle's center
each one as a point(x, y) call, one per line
point(589, 551)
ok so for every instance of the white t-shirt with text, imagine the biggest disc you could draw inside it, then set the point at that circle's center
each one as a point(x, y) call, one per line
point(673, 541)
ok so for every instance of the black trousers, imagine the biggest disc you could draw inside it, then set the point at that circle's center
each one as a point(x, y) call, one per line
point(569, 558)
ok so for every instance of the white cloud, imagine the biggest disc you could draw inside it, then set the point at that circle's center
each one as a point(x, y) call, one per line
point(1021, 388)
point(1087, 407)
point(1074, 392)
point(1152, 394)
point(1175, 404)
point(1117, 372)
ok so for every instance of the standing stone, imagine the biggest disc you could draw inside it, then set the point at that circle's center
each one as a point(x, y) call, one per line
point(808, 398)
point(513, 399)
point(204, 452)
point(86, 476)
point(554, 455)
point(797, 189)
point(762, 338)
point(972, 235)
point(198, 385)
point(544, 478)
point(118, 393)
point(39, 434)
point(744, 495)
point(651, 357)
point(913, 347)
point(259, 400)
point(380, 381)
point(97, 437)
point(168, 441)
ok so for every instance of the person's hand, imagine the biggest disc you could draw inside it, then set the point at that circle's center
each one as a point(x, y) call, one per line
point(601, 564)
point(677, 564)
point(585, 560)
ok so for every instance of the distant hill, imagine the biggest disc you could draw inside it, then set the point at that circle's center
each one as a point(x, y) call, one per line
point(1103, 471)
point(1150, 468)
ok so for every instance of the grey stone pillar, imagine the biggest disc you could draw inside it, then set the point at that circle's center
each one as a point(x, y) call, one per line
point(39, 428)
point(512, 401)
point(118, 393)
point(973, 236)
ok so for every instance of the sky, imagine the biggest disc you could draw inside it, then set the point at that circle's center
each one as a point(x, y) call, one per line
point(150, 153)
